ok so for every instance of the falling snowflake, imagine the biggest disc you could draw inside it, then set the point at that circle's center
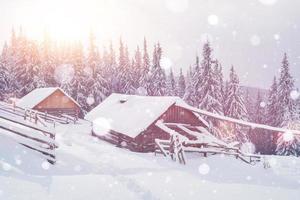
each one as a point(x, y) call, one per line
point(262, 104)
point(294, 94)
point(204, 169)
point(265, 66)
point(276, 36)
point(177, 6)
point(288, 136)
point(123, 144)
point(90, 100)
point(255, 40)
point(234, 33)
point(213, 20)
point(166, 63)
point(248, 178)
point(64, 74)
point(101, 126)
point(6, 166)
point(45, 165)
point(141, 91)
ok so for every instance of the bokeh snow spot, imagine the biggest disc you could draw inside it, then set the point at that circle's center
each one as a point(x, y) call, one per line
point(213, 20)
point(255, 40)
point(294, 94)
point(276, 36)
point(265, 66)
point(64, 73)
point(141, 91)
point(248, 178)
point(262, 104)
point(268, 2)
point(288, 136)
point(204, 169)
point(101, 126)
point(90, 100)
point(45, 165)
point(248, 147)
point(6, 166)
point(177, 6)
point(165, 63)
point(123, 144)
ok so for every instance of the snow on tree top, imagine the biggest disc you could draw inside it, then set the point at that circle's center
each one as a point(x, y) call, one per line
point(130, 114)
point(36, 96)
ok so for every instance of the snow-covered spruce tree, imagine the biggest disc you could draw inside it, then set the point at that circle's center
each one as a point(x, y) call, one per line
point(209, 89)
point(287, 111)
point(4, 73)
point(272, 114)
point(92, 58)
point(48, 61)
point(143, 80)
point(188, 95)
point(123, 82)
point(4, 82)
point(137, 68)
point(218, 74)
point(77, 62)
point(288, 144)
point(156, 81)
point(235, 107)
point(287, 106)
point(171, 84)
point(26, 69)
point(192, 95)
point(249, 103)
point(181, 85)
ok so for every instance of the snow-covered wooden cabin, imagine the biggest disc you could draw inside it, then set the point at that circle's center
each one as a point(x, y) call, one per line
point(51, 100)
point(131, 121)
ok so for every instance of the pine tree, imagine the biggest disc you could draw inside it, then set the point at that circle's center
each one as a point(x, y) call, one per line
point(189, 90)
point(287, 107)
point(171, 84)
point(181, 85)
point(5, 80)
point(192, 95)
point(146, 66)
point(249, 105)
point(137, 71)
point(235, 107)
point(156, 81)
point(210, 90)
point(287, 111)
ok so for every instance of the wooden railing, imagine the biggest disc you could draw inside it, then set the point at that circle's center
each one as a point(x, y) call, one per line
point(35, 135)
point(37, 116)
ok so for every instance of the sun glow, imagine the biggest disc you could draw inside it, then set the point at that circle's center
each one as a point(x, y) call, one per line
point(67, 20)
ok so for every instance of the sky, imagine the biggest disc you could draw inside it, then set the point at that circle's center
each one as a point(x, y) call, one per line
point(251, 35)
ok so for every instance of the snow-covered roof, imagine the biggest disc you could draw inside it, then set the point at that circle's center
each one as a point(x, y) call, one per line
point(36, 96)
point(130, 114)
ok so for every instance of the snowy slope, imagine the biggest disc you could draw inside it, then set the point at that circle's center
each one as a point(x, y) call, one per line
point(91, 169)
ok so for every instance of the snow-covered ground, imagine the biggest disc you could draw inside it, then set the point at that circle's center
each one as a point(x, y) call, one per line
point(91, 169)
